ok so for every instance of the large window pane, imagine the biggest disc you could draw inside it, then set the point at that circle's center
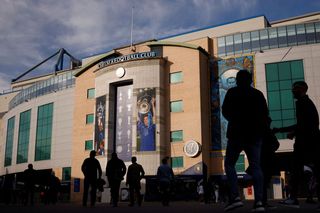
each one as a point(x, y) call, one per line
point(273, 38)
point(246, 42)
point(272, 72)
point(255, 44)
point(284, 71)
point(229, 45)
point(264, 39)
point(90, 93)
point(89, 118)
point(310, 33)
point(221, 46)
point(23, 137)
point(44, 132)
point(282, 36)
point(317, 26)
point(301, 34)
point(177, 162)
point(292, 36)
point(9, 142)
point(297, 69)
point(237, 43)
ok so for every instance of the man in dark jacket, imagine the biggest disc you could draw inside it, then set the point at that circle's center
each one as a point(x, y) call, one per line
point(307, 136)
point(134, 175)
point(29, 183)
point(246, 111)
point(90, 169)
point(115, 171)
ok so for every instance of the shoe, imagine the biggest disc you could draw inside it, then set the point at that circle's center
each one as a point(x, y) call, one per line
point(294, 203)
point(236, 203)
point(258, 207)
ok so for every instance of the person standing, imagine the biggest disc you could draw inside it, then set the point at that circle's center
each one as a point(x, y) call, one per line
point(165, 176)
point(246, 111)
point(91, 170)
point(134, 175)
point(29, 184)
point(53, 188)
point(307, 136)
point(115, 171)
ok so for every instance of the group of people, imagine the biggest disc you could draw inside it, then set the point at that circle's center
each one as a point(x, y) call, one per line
point(246, 111)
point(49, 187)
point(115, 172)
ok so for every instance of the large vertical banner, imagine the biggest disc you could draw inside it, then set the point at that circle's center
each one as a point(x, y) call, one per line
point(99, 136)
point(146, 117)
point(228, 70)
point(123, 137)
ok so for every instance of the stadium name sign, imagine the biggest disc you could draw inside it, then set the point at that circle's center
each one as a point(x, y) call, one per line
point(123, 58)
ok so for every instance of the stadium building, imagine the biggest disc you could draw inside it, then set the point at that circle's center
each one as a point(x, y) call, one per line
point(155, 99)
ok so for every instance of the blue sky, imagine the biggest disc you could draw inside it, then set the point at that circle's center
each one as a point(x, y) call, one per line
point(32, 30)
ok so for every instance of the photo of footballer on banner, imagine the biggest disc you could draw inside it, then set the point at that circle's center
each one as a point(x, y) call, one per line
point(146, 118)
point(99, 136)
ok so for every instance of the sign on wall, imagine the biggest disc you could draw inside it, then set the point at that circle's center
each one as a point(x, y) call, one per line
point(146, 117)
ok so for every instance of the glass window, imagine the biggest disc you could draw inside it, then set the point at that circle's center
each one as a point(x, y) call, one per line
point(23, 137)
point(176, 77)
point(282, 36)
point(246, 42)
point(221, 46)
point(44, 132)
point(264, 39)
point(273, 38)
point(229, 45)
point(177, 162)
point(9, 142)
point(89, 119)
point(317, 26)
point(301, 34)
point(280, 99)
point(176, 136)
point(88, 145)
point(255, 44)
point(66, 174)
point(237, 43)
point(176, 106)
point(292, 36)
point(91, 93)
point(310, 33)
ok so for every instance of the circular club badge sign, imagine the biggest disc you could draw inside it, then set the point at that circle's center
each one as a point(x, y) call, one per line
point(192, 148)
point(120, 72)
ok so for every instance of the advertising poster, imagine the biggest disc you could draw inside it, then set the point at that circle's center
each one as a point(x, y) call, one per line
point(99, 136)
point(146, 118)
point(123, 137)
point(228, 69)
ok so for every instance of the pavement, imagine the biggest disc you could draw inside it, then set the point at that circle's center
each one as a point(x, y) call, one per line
point(150, 207)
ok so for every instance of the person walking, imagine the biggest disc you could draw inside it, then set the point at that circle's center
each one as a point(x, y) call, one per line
point(134, 175)
point(115, 171)
point(246, 111)
point(91, 170)
point(165, 176)
point(29, 184)
point(306, 146)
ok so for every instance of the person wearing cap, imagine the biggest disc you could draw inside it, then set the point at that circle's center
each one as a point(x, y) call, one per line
point(90, 168)
point(306, 134)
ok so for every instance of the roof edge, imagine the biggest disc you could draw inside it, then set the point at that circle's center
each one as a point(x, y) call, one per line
point(178, 44)
point(94, 62)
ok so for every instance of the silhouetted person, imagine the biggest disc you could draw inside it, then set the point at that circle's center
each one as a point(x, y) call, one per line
point(53, 188)
point(115, 171)
point(307, 136)
point(246, 111)
point(29, 176)
point(165, 176)
point(91, 170)
point(268, 161)
point(134, 175)
point(9, 186)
